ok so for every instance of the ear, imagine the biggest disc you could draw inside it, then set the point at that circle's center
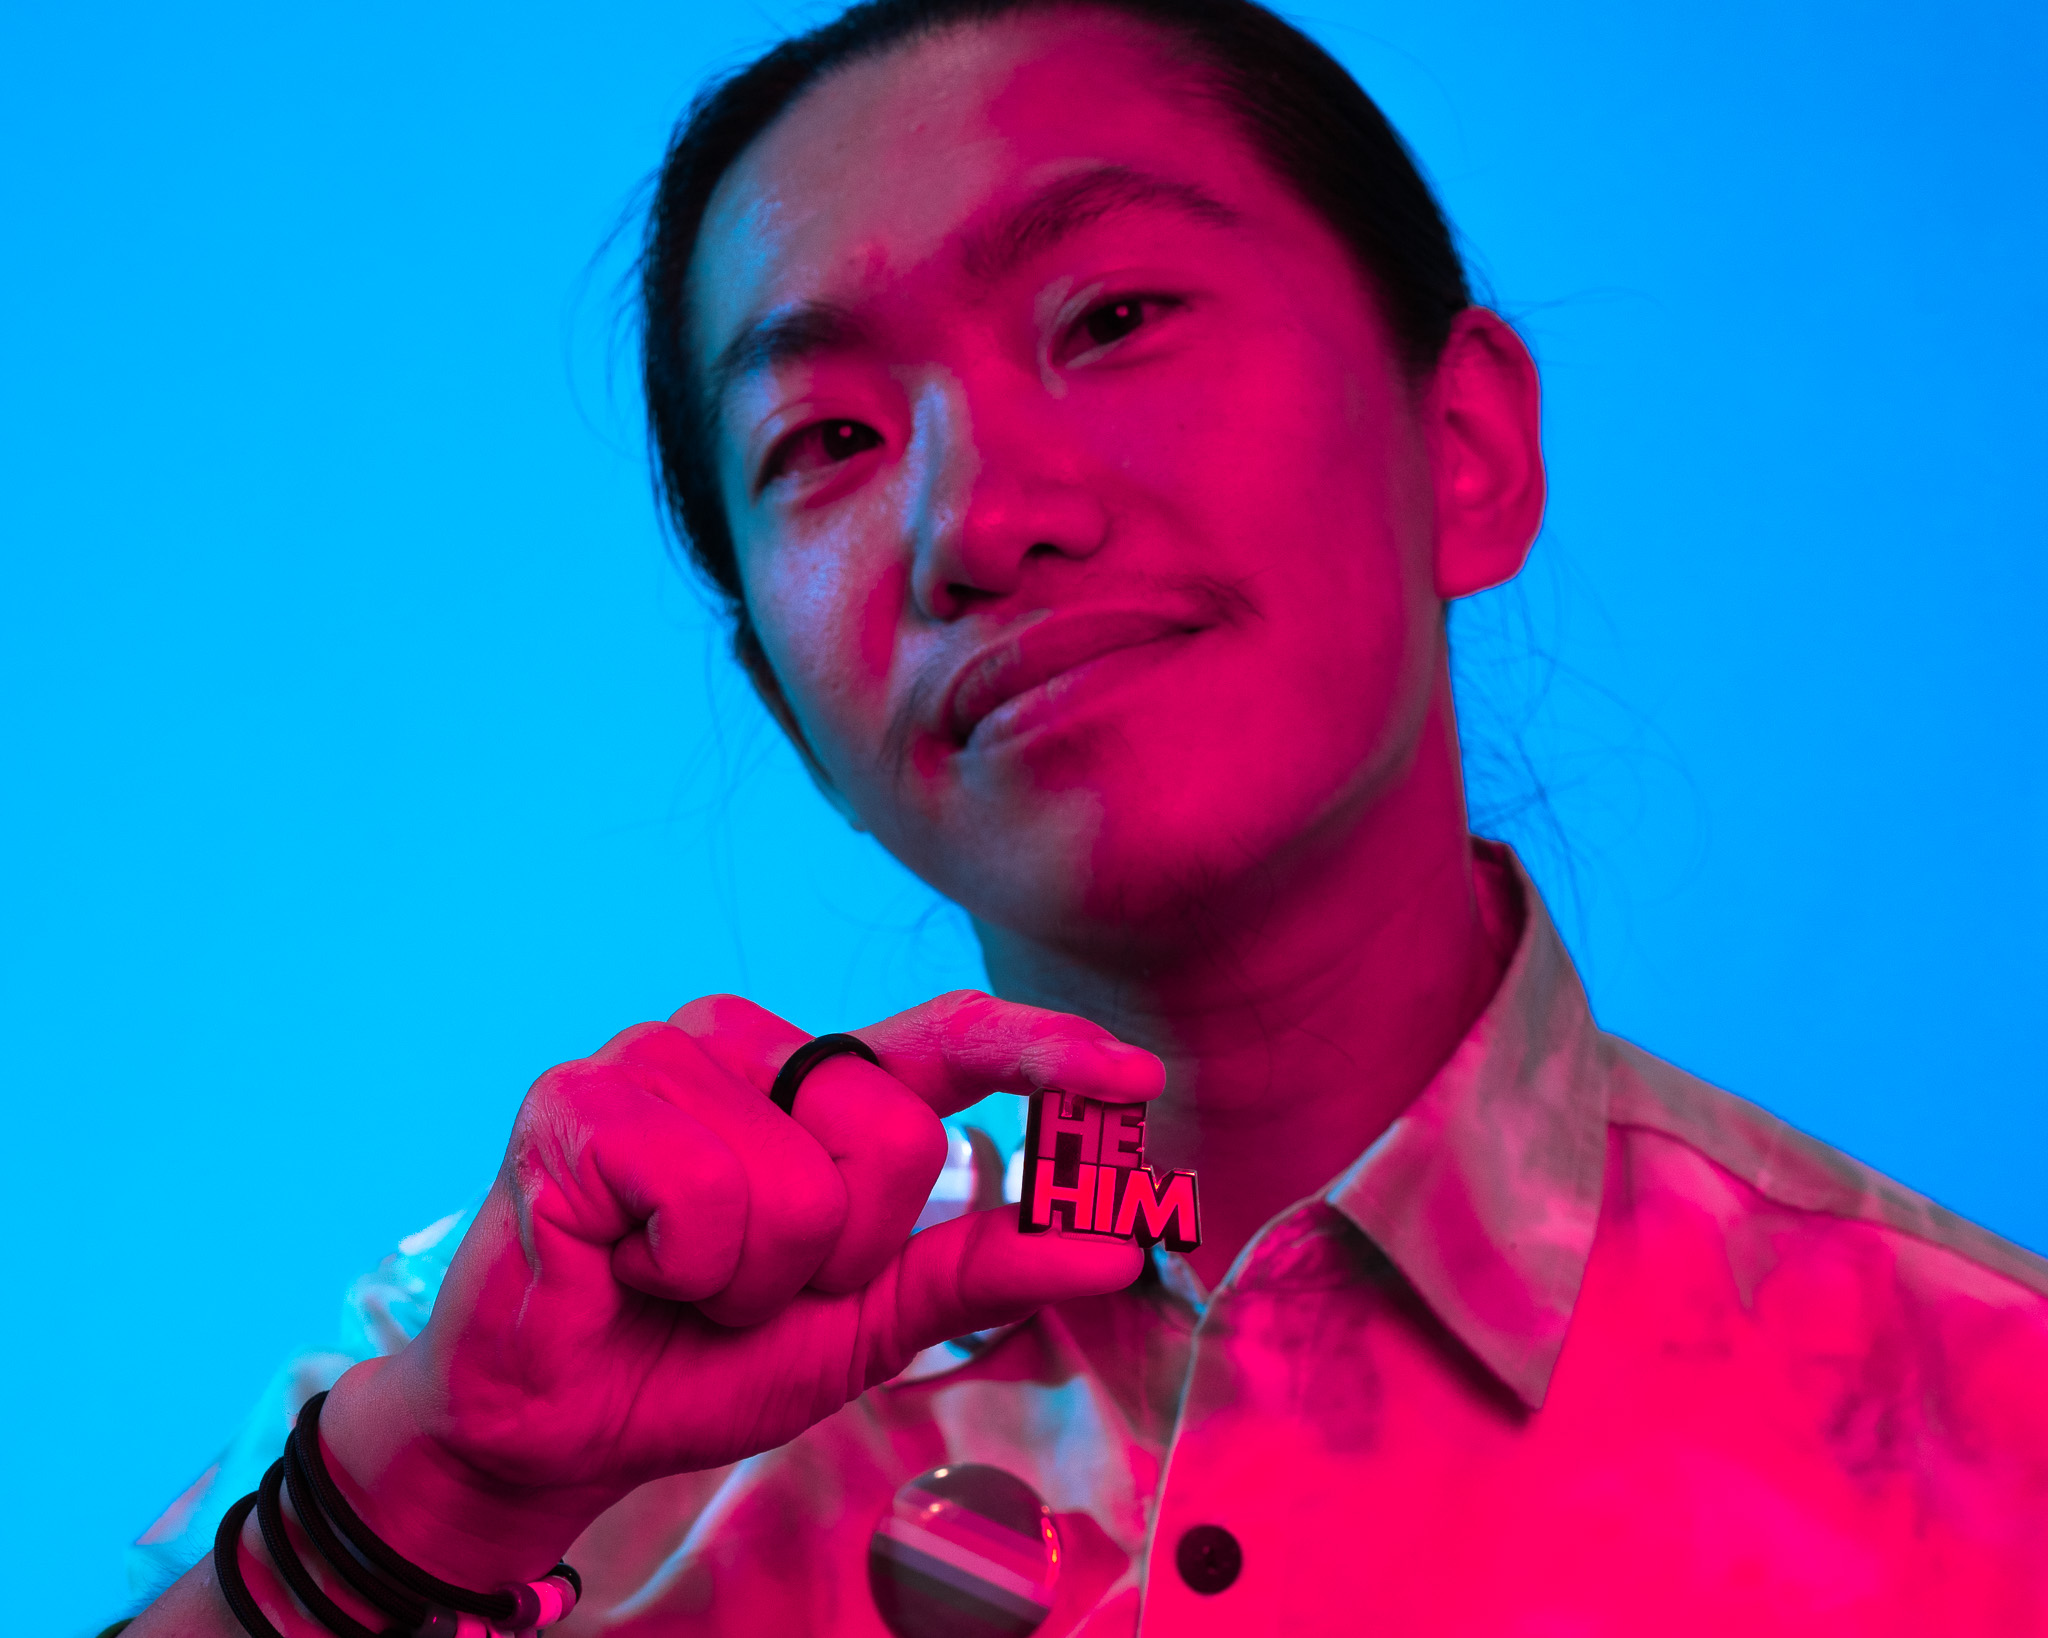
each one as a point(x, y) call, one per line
point(746, 648)
point(1483, 418)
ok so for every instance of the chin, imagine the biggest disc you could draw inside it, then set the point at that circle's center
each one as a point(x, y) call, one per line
point(1118, 869)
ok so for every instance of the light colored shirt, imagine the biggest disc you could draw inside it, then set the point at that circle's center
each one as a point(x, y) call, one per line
point(1580, 1346)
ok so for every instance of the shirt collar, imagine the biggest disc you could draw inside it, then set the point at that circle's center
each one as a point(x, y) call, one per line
point(1485, 1191)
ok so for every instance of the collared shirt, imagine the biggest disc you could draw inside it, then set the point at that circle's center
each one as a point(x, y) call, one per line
point(1580, 1346)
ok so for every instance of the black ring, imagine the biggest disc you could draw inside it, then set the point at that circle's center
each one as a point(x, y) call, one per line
point(807, 1058)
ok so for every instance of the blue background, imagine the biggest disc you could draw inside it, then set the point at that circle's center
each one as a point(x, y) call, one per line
point(364, 756)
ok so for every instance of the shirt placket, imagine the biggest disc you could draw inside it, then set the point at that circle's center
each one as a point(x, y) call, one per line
point(1211, 1518)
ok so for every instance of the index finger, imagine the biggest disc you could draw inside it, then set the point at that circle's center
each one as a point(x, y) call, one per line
point(956, 1049)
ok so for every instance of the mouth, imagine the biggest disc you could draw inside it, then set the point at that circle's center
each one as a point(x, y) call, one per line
point(1032, 661)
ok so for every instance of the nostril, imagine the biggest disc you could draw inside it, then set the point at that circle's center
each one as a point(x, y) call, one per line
point(958, 596)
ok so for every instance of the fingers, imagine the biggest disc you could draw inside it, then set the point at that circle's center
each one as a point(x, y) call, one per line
point(889, 1149)
point(795, 1200)
point(881, 1129)
point(827, 1199)
point(957, 1049)
point(887, 1144)
point(686, 1193)
point(975, 1272)
point(749, 1041)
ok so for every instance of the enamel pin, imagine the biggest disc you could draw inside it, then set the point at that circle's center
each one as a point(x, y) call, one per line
point(1085, 1161)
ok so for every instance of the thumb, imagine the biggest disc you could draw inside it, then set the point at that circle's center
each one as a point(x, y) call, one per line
point(976, 1272)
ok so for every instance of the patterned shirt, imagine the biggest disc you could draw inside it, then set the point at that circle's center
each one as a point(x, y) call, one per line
point(1579, 1346)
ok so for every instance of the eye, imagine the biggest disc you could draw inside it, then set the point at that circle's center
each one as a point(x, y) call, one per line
point(827, 443)
point(1112, 321)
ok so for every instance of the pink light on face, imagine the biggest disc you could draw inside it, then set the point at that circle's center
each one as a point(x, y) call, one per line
point(1138, 546)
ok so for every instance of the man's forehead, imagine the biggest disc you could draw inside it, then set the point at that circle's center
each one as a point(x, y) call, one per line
point(815, 226)
point(882, 169)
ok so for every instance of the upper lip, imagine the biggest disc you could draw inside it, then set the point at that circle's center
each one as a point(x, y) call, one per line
point(1040, 650)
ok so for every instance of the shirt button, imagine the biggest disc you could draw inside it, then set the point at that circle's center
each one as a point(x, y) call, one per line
point(1208, 1558)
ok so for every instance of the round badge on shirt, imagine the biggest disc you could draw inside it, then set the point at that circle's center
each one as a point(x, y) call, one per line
point(965, 1551)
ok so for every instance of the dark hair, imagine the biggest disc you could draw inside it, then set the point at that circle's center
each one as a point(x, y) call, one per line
point(1302, 113)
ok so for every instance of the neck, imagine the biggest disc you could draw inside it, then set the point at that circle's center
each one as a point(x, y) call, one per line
point(1321, 1003)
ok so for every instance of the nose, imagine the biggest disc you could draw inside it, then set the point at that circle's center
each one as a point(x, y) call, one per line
point(987, 494)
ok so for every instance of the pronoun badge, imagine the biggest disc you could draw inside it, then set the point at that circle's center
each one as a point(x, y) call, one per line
point(1085, 1162)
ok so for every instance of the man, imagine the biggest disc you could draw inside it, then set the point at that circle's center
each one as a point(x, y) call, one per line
point(1088, 479)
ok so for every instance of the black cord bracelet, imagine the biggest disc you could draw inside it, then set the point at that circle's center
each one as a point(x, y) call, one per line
point(496, 1607)
point(227, 1570)
point(501, 1609)
point(409, 1611)
point(421, 1604)
point(277, 1542)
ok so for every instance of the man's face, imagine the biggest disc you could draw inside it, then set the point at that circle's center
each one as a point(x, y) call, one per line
point(1079, 498)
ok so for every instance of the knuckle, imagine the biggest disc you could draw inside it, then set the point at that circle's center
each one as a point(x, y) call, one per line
point(649, 1045)
point(565, 1089)
point(973, 1009)
point(804, 1216)
point(943, 1016)
point(717, 1183)
point(713, 1014)
point(623, 1043)
point(906, 1133)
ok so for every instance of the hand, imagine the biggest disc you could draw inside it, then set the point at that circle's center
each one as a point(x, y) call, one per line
point(671, 1274)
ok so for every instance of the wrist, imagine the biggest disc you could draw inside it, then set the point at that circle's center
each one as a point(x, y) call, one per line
point(432, 1503)
point(265, 1581)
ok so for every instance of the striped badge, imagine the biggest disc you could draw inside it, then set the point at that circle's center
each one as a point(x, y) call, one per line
point(965, 1552)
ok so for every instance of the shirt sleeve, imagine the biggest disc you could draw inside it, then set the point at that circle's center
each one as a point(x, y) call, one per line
point(384, 1310)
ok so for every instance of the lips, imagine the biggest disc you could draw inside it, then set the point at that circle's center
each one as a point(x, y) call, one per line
point(1047, 648)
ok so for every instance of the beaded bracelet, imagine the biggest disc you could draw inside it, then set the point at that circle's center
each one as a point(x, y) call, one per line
point(419, 1604)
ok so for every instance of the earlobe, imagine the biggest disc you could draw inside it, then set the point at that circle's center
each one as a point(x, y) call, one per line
point(1485, 429)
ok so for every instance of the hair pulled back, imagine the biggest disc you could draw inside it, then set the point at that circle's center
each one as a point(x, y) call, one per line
point(1295, 104)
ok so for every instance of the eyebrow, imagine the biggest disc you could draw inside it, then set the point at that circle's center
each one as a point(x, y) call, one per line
point(1063, 208)
point(787, 336)
point(1053, 213)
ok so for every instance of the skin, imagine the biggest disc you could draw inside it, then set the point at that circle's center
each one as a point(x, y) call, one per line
point(1242, 845)
point(1102, 582)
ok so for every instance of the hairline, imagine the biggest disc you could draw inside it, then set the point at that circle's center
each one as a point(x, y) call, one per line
point(1191, 74)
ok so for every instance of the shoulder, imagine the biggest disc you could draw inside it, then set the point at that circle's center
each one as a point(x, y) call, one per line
point(1834, 1380)
point(1792, 1171)
point(1815, 1268)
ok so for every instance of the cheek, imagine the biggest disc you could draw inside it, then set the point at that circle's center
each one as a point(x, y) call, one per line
point(1289, 481)
point(826, 656)
point(1293, 479)
point(829, 620)
point(1267, 443)
point(881, 612)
